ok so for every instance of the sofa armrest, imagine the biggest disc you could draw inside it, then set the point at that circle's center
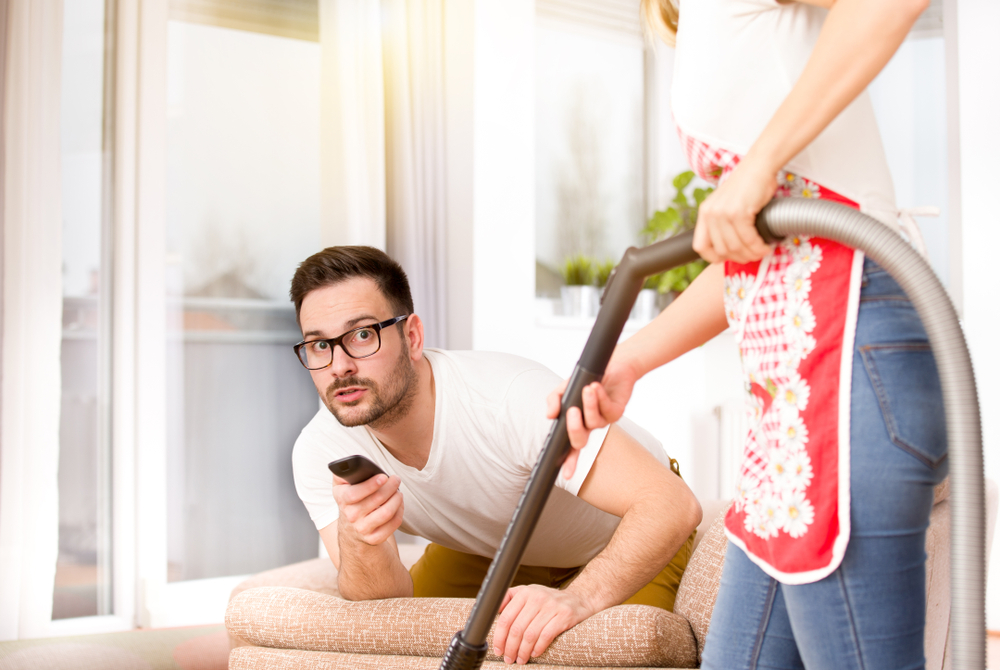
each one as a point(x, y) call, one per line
point(286, 618)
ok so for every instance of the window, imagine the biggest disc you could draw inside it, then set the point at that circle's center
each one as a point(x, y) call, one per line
point(590, 115)
point(242, 212)
point(83, 584)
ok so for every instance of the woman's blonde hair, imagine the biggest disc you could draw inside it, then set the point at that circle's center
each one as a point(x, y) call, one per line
point(660, 18)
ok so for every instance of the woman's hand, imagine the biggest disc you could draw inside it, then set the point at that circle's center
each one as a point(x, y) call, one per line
point(857, 40)
point(725, 229)
point(603, 403)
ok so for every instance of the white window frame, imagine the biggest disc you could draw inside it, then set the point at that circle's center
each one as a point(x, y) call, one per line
point(142, 593)
point(138, 303)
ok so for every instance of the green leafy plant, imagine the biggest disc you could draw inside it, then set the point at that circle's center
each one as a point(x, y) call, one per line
point(680, 217)
point(681, 277)
point(578, 271)
point(603, 272)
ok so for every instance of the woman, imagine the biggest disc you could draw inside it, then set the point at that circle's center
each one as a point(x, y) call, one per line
point(825, 567)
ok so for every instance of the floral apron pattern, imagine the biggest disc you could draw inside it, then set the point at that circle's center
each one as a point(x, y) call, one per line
point(794, 315)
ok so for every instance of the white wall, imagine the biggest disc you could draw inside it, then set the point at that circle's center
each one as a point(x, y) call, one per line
point(503, 174)
point(978, 59)
point(489, 83)
point(909, 102)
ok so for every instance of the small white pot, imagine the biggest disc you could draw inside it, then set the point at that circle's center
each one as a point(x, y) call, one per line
point(645, 307)
point(580, 300)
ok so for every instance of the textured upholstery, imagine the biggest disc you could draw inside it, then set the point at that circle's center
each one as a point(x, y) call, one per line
point(700, 584)
point(256, 658)
point(938, 585)
point(316, 574)
point(313, 630)
point(632, 635)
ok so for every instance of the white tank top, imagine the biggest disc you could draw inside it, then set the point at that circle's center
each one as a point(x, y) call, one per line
point(736, 62)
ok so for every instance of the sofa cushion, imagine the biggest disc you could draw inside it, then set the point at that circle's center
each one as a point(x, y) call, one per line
point(262, 658)
point(315, 574)
point(700, 584)
point(626, 635)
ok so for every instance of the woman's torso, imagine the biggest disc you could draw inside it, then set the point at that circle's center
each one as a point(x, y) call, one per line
point(735, 63)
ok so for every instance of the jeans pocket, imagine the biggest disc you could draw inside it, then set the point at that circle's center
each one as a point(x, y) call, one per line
point(906, 383)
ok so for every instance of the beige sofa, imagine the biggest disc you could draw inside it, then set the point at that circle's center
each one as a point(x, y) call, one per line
point(293, 617)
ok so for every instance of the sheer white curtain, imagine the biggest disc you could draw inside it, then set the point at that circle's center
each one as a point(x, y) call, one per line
point(383, 165)
point(31, 31)
point(352, 124)
point(413, 53)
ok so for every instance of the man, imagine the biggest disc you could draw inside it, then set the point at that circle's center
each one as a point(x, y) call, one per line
point(457, 434)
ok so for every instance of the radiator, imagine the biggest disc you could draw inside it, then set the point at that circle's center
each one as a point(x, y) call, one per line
point(733, 427)
point(718, 437)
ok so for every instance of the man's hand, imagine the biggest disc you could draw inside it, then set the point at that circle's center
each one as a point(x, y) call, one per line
point(531, 617)
point(370, 511)
point(657, 511)
point(361, 543)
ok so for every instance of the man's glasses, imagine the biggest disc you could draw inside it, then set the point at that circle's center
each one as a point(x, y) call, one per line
point(360, 342)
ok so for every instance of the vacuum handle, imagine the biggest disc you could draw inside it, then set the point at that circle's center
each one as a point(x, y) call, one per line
point(622, 290)
point(619, 296)
point(625, 283)
point(526, 514)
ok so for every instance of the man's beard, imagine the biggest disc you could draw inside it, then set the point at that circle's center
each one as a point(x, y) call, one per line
point(385, 407)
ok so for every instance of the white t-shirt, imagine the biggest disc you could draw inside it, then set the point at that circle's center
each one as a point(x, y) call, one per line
point(737, 60)
point(489, 428)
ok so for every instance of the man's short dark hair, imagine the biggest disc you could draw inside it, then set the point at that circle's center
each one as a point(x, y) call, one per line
point(336, 264)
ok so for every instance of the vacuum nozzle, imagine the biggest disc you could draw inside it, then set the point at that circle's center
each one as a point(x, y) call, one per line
point(463, 656)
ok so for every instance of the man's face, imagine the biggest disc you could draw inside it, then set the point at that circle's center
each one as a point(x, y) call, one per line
point(359, 391)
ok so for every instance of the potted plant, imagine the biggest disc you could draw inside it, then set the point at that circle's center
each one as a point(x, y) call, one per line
point(681, 216)
point(646, 307)
point(579, 295)
point(602, 273)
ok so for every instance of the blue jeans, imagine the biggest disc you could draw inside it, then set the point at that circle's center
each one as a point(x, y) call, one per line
point(869, 613)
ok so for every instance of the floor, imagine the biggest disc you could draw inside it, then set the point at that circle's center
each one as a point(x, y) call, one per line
point(195, 648)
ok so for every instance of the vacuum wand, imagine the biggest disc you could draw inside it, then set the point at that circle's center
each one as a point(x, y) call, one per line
point(468, 647)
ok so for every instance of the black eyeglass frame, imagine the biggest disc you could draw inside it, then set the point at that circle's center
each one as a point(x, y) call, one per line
point(339, 340)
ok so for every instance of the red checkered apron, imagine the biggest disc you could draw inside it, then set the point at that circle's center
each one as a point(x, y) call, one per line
point(794, 315)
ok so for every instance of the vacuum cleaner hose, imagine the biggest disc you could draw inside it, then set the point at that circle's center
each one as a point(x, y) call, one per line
point(787, 216)
point(782, 217)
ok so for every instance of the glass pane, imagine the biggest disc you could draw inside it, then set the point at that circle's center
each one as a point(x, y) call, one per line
point(83, 585)
point(589, 153)
point(242, 212)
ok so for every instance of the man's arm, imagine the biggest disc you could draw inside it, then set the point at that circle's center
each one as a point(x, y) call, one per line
point(658, 513)
point(361, 544)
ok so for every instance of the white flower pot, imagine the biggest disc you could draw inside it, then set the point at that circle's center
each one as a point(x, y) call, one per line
point(580, 300)
point(645, 307)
